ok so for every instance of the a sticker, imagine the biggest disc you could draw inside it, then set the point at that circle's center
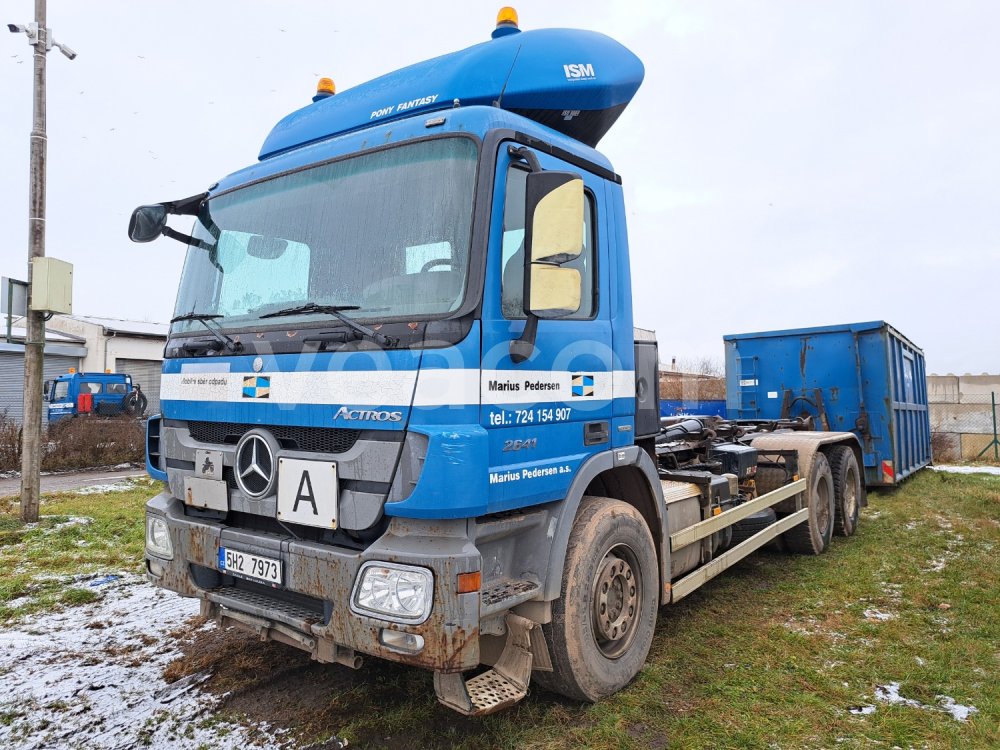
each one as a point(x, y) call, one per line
point(256, 386)
point(583, 385)
point(772, 394)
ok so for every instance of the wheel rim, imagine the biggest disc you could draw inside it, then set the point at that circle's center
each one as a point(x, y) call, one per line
point(617, 601)
point(822, 508)
point(850, 494)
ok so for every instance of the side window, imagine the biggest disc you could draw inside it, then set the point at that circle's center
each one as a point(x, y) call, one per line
point(512, 260)
point(62, 390)
point(88, 387)
point(116, 388)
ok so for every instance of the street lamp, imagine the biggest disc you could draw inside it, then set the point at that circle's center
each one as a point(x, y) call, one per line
point(40, 37)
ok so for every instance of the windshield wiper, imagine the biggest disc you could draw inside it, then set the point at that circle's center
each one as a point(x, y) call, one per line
point(228, 343)
point(336, 311)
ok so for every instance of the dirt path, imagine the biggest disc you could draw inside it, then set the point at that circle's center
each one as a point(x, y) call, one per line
point(76, 480)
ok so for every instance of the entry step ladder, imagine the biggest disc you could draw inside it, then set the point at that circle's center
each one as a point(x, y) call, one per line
point(746, 391)
point(503, 685)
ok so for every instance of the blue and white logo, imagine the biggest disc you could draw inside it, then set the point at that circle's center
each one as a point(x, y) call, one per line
point(257, 386)
point(583, 385)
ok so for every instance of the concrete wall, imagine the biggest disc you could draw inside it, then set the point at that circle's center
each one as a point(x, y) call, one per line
point(961, 414)
point(103, 350)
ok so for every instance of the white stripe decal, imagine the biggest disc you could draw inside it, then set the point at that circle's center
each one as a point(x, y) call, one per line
point(544, 386)
point(434, 387)
point(447, 387)
point(365, 388)
point(623, 385)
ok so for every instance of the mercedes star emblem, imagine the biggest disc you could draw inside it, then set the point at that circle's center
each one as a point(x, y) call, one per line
point(254, 465)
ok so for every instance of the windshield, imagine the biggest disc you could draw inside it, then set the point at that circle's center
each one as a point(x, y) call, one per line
point(387, 232)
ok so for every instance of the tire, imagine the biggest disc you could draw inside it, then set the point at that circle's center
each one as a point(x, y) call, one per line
point(847, 489)
point(743, 530)
point(610, 569)
point(813, 536)
point(135, 404)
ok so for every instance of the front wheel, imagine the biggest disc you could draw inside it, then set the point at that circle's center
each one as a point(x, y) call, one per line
point(602, 624)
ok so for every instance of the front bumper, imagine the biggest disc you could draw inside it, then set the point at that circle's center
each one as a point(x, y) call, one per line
point(325, 624)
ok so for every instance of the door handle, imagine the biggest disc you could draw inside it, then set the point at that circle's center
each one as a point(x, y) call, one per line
point(595, 433)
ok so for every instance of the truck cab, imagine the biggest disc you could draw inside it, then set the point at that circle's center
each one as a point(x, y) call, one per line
point(76, 393)
point(405, 413)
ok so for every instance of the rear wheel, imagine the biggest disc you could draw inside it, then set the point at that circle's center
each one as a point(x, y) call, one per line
point(812, 537)
point(847, 490)
point(602, 624)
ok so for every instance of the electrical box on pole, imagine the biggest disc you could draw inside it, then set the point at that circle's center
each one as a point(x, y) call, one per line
point(51, 285)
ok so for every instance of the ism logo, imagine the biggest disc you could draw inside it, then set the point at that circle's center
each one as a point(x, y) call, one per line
point(579, 71)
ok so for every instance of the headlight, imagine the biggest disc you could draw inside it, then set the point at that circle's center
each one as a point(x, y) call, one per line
point(401, 593)
point(158, 538)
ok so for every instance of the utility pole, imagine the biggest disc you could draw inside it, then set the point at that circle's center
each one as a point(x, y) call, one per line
point(40, 37)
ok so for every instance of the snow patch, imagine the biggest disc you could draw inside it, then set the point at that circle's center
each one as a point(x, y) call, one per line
point(890, 694)
point(937, 564)
point(122, 485)
point(71, 684)
point(951, 469)
point(72, 521)
point(957, 710)
point(879, 616)
point(810, 626)
point(862, 710)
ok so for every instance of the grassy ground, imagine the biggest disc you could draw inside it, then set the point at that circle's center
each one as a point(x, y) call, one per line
point(77, 537)
point(772, 654)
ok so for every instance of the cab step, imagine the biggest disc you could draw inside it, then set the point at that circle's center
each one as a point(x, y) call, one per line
point(506, 593)
point(496, 688)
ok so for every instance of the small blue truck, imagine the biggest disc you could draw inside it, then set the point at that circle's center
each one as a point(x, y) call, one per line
point(867, 378)
point(405, 413)
point(94, 393)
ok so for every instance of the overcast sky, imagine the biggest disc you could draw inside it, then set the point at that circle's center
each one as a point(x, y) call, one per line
point(785, 164)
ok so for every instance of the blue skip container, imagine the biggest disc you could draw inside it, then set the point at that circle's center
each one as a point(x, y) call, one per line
point(865, 378)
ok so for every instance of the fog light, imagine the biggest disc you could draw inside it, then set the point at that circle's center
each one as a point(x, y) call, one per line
point(409, 642)
point(158, 538)
point(401, 593)
point(156, 568)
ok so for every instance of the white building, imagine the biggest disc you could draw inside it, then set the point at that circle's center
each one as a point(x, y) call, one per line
point(128, 346)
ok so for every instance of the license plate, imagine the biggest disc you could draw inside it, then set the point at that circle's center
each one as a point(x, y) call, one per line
point(249, 566)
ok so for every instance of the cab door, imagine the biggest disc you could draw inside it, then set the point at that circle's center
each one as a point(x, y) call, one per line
point(544, 416)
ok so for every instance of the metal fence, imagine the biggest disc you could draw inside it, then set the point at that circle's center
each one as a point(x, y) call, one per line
point(966, 427)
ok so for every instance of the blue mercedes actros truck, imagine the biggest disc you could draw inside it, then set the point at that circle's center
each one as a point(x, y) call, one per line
point(405, 413)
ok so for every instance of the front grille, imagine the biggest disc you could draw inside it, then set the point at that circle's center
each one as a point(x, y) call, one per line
point(310, 439)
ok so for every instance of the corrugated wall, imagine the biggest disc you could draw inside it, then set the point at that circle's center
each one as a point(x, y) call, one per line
point(12, 380)
point(146, 373)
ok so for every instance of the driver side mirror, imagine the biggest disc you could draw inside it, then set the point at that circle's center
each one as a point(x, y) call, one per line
point(46, 390)
point(554, 214)
point(553, 236)
point(147, 223)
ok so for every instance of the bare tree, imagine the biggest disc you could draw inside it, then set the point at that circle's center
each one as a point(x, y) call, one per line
point(710, 366)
